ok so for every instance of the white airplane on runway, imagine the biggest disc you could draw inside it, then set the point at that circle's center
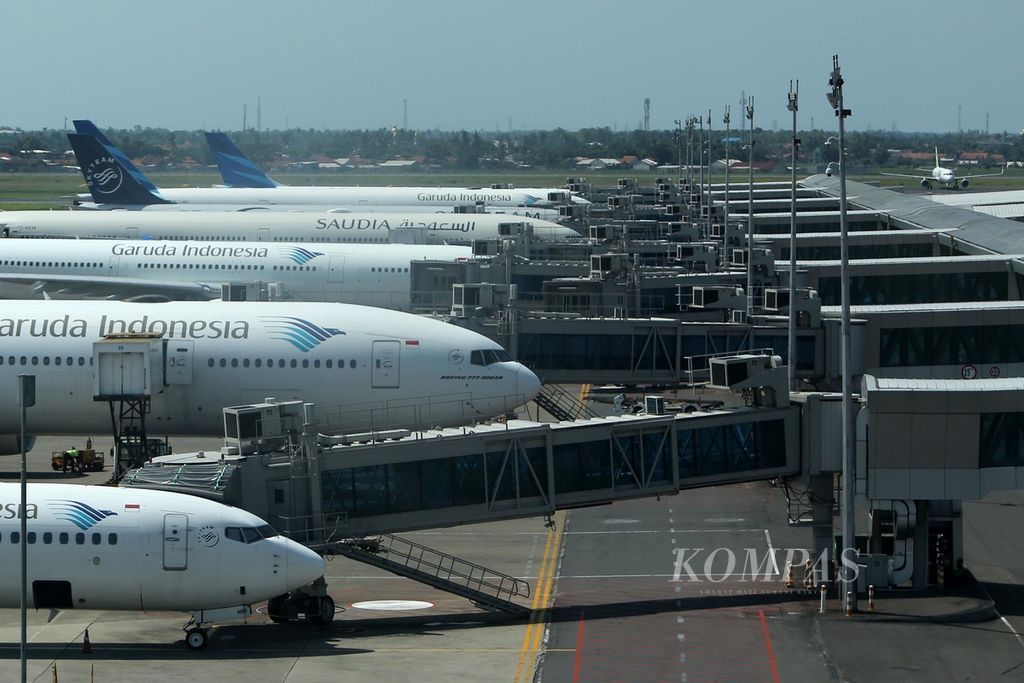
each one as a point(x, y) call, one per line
point(365, 368)
point(947, 177)
point(113, 180)
point(275, 226)
point(367, 274)
point(104, 548)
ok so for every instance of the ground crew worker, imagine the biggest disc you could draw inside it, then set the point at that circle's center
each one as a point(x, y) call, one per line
point(72, 455)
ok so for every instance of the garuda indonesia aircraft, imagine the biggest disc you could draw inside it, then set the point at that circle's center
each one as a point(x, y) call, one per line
point(104, 548)
point(104, 180)
point(365, 368)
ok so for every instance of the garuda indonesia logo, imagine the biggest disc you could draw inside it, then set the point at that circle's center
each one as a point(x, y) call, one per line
point(302, 334)
point(103, 175)
point(530, 200)
point(301, 255)
point(81, 515)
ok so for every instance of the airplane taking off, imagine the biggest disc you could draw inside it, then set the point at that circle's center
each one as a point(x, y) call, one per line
point(945, 176)
point(274, 226)
point(365, 368)
point(104, 171)
point(367, 274)
point(106, 548)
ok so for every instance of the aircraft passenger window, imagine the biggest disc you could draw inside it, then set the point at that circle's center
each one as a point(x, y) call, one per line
point(112, 539)
point(35, 360)
point(233, 533)
point(316, 363)
point(223, 362)
point(294, 363)
point(280, 362)
point(258, 362)
point(71, 360)
point(63, 538)
point(341, 363)
point(245, 362)
point(97, 539)
point(79, 539)
point(234, 362)
point(46, 360)
point(81, 360)
point(1, 360)
point(209, 362)
point(305, 362)
point(329, 363)
point(352, 363)
point(15, 537)
point(47, 537)
point(56, 360)
point(31, 537)
point(10, 360)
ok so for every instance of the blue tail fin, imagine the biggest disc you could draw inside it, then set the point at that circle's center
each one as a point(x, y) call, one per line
point(109, 181)
point(87, 127)
point(236, 169)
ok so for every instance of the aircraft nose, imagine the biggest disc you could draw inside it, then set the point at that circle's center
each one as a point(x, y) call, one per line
point(304, 565)
point(527, 383)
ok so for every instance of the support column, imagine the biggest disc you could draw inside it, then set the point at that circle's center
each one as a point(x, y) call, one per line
point(822, 534)
point(920, 580)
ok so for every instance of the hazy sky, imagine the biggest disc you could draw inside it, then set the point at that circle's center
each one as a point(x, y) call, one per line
point(476, 65)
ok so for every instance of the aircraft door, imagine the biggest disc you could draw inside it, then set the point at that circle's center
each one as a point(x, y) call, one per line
point(175, 542)
point(131, 233)
point(262, 234)
point(178, 361)
point(386, 364)
point(336, 269)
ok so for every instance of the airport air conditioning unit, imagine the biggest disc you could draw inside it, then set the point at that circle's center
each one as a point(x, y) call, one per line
point(575, 181)
point(709, 211)
point(621, 201)
point(681, 231)
point(486, 248)
point(761, 378)
point(475, 207)
point(599, 232)
point(516, 230)
point(240, 291)
point(575, 187)
point(808, 305)
point(718, 297)
point(672, 210)
point(664, 186)
point(665, 197)
point(571, 211)
point(762, 257)
point(738, 316)
point(603, 266)
point(275, 291)
point(558, 197)
point(479, 299)
point(262, 427)
point(694, 199)
point(502, 186)
point(654, 405)
point(627, 183)
point(700, 256)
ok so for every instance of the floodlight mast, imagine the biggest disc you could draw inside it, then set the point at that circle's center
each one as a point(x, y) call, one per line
point(792, 106)
point(750, 219)
point(725, 209)
point(849, 581)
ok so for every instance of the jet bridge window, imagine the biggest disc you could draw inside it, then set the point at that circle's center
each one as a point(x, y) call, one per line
point(489, 356)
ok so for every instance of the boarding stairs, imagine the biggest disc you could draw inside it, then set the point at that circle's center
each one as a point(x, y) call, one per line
point(562, 405)
point(484, 587)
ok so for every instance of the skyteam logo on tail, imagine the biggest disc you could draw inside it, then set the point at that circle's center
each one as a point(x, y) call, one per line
point(103, 175)
point(302, 334)
point(81, 515)
point(530, 200)
point(300, 255)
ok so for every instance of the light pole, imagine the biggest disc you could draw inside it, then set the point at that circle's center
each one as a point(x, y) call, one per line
point(750, 219)
point(26, 398)
point(679, 153)
point(835, 98)
point(725, 209)
point(791, 104)
point(700, 162)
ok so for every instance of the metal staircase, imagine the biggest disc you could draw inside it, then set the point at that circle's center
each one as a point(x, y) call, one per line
point(562, 405)
point(483, 587)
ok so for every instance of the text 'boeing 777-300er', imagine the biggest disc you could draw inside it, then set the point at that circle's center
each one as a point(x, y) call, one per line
point(104, 548)
point(365, 368)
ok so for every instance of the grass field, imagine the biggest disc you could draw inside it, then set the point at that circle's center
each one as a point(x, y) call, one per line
point(20, 191)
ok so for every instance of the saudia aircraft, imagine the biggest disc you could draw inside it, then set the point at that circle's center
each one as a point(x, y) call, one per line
point(102, 548)
point(97, 171)
point(368, 274)
point(366, 368)
point(274, 226)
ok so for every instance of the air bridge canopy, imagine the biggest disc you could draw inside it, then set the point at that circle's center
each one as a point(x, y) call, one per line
point(943, 439)
point(127, 366)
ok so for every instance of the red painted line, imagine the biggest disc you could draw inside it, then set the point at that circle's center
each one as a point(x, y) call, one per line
point(579, 653)
point(768, 644)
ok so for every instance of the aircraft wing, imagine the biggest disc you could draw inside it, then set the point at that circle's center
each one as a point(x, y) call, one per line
point(54, 286)
point(915, 177)
point(982, 175)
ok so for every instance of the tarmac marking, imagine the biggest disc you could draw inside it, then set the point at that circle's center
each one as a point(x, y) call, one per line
point(584, 390)
point(535, 629)
point(579, 652)
point(771, 552)
point(768, 645)
point(1001, 617)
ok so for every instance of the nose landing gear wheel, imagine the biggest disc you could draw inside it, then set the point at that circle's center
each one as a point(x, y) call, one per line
point(324, 611)
point(196, 638)
point(277, 609)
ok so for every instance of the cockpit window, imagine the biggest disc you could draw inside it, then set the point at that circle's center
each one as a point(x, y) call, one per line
point(488, 356)
point(249, 534)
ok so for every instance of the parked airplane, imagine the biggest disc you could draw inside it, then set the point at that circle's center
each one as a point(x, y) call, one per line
point(946, 176)
point(104, 169)
point(104, 548)
point(368, 274)
point(235, 168)
point(367, 368)
point(274, 226)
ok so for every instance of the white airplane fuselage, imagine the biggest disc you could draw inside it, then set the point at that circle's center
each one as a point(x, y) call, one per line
point(367, 274)
point(271, 226)
point(97, 547)
point(364, 367)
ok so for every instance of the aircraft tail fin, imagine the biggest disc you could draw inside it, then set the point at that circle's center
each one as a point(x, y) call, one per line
point(936, 157)
point(109, 180)
point(87, 127)
point(236, 169)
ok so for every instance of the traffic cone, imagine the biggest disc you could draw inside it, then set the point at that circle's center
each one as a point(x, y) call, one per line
point(86, 645)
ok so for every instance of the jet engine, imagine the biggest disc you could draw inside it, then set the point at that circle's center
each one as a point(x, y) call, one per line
point(10, 444)
point(926, 184)
point(965, 182)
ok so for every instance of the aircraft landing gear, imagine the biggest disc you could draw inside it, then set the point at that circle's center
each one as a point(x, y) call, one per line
point(313, 603)
point(197, 638)
point(322, 612)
